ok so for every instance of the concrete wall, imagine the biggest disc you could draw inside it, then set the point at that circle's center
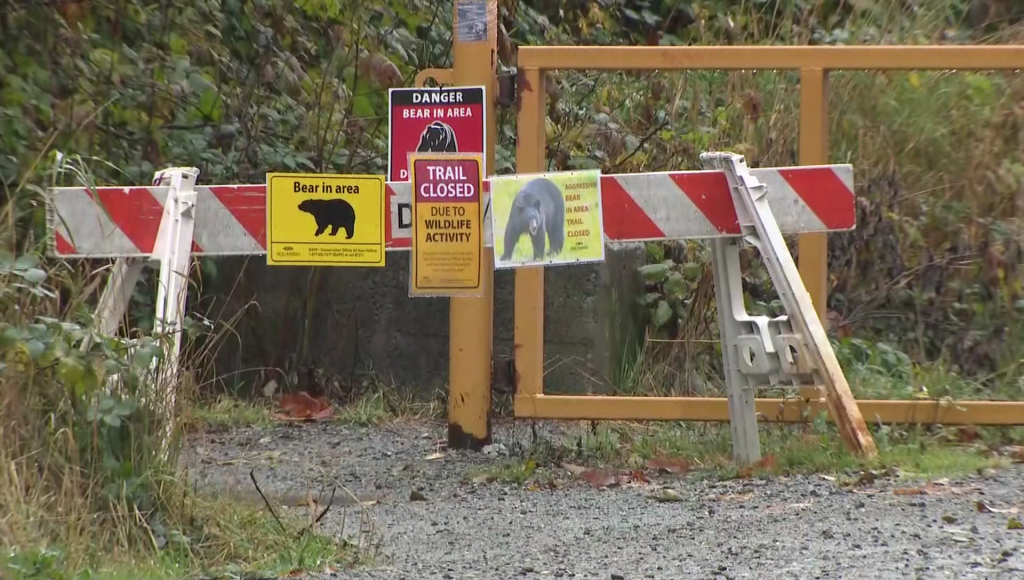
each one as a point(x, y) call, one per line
point(362, 319)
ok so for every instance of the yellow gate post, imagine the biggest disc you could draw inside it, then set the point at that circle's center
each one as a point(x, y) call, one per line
point(474, 49)
point(813, 248)
point(531, 155)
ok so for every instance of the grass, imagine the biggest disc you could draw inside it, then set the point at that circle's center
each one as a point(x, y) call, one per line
point(235, 540)
point(917, 453)
point(379, 404)
point(90, 485)
point(226, 411)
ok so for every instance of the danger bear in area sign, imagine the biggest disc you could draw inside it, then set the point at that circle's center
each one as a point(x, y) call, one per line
point(433, 120)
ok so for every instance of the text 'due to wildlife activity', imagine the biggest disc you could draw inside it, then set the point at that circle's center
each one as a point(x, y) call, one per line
point(447, 237)
point(433, 120)
point(546, 219)
point(325, 220)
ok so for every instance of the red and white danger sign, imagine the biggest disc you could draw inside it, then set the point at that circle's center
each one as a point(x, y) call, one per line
point(433, 120)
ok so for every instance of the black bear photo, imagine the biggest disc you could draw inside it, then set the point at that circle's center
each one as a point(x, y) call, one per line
point(539, 211)
point(438, 138)
point(333, 213)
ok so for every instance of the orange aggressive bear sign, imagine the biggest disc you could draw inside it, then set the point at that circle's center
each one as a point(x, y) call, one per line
point(433, 120)
point(447, 225)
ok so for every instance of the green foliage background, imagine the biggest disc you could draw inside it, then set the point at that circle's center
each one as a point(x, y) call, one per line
point(927, 285)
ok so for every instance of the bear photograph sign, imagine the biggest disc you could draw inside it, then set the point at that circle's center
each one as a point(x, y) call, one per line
point(433, 120)
point(325, 220)
point(546, 219)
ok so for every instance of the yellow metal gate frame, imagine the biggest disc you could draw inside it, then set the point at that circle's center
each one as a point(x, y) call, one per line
point(814, 64)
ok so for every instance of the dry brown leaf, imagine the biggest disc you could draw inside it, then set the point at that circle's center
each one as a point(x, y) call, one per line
point(866, 477)
point(302, 406)
point(1014, 452)
point(766, 463)
point(636, 476)
point(668, 465)
point(598, 478)
point(936, 488)
point(379, 68)
point(987, 509)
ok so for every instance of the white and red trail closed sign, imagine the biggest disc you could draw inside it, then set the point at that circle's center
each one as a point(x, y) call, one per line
point(433, 120)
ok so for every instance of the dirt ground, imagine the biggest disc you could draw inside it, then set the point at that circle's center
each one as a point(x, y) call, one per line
point(765, 528)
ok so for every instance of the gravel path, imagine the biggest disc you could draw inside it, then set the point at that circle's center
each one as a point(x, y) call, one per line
point(795, 527)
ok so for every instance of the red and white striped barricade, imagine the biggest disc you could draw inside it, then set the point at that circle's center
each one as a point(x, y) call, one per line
point(132, 224)
point(122, 222)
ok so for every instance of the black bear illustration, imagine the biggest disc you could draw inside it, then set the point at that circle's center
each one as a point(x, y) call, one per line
point(334, 213)
point(538, 210)
point(438, 137)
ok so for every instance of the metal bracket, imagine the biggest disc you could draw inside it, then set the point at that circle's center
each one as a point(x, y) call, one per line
point(442, 76)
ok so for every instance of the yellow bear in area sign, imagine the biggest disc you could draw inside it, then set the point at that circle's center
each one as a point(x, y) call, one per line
point(325, 220)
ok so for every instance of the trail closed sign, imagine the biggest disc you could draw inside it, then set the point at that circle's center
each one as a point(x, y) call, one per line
point(433, 120)
point(325, 220)
point(447, 224)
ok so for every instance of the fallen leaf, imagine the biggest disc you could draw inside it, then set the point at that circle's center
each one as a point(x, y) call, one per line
point(937, 488)
point(636, 476)
point(417, 495)
point(1014, 452)
point(987, 509)
point(967, 433)
point(1014, 524)
point(529, 467)
point(668, 465)
point(949, 519)
point(667, 494)
point(602, 478)
point(866, 478)
point(574, 469)
point(302, 406)
point(766, 463)
point(485, 478)
point(434, 456)
point(827, 477)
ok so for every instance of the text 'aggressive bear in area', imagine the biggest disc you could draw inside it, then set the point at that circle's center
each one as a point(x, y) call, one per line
point(332, 213)
point(539, 211)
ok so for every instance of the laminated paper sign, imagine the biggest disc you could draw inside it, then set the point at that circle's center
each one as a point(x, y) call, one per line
point(547, 219)
point(433, 120)
point(325, 220)
point(447, 223)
